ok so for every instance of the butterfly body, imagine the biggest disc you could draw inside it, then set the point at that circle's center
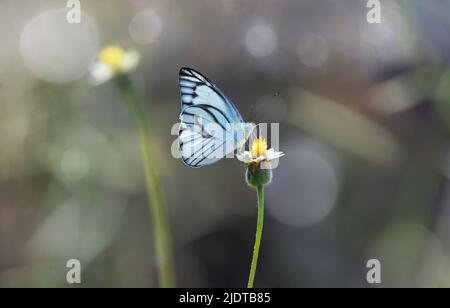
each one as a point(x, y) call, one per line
point(211, 126)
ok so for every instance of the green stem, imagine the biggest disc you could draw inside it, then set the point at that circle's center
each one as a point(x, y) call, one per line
point(154, 189)
point(259, 229)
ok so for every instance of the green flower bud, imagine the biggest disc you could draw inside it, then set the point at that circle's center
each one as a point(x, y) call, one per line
point(255, 176)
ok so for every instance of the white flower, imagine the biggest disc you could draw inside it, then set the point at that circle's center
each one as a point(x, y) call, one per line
point(259, 154)
point(113, 60)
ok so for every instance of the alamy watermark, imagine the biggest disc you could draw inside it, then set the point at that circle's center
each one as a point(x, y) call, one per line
point(374, 273)
point(374, 13)
point(213, 140)
point(74, 11)
point(73, 275)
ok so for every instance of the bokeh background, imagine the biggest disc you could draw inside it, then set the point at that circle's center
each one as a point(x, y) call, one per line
point(364, 113)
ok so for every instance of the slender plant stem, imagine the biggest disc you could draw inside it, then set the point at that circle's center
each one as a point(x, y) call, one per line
point(154, 189)
point(259, 229)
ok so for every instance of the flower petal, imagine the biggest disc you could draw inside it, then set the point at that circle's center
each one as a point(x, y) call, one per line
point(259, 159)
point(272, 154)
point(130, 60)
point(100, 73)
point(245, 157)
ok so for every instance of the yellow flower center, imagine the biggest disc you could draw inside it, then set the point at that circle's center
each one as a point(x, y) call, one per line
point(259, 148)
point(113, 57)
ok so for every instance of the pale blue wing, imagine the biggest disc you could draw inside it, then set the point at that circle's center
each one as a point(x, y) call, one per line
point(208, 121)
point(198, 151)
point(202, 139)
point(196, 89)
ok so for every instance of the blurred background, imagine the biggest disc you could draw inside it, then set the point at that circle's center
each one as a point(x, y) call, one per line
point(364, 113)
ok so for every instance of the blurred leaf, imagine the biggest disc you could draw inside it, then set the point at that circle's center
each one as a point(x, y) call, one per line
point(344, 128)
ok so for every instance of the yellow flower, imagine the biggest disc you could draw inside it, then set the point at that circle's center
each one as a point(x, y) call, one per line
point(259, 148)
point(112, 56)
point(113, 60)
point(259, 153)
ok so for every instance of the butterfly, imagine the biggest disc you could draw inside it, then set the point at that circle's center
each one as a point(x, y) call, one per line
point(211, 126)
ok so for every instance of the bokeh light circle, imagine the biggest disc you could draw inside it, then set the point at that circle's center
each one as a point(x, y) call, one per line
point(313, 50)
point(145, 28)
point(261, 40)
point(55, 50)
point(305, 187)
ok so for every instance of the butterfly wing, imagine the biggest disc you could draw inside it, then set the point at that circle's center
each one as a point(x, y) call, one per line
point(196, 89)
point(206, 133)
point(201, 141)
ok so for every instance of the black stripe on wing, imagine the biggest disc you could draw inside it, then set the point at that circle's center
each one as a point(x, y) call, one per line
point(207, 115)
point(199, 160)
point(191, 81)
point(200, 152)
point(199, 143)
